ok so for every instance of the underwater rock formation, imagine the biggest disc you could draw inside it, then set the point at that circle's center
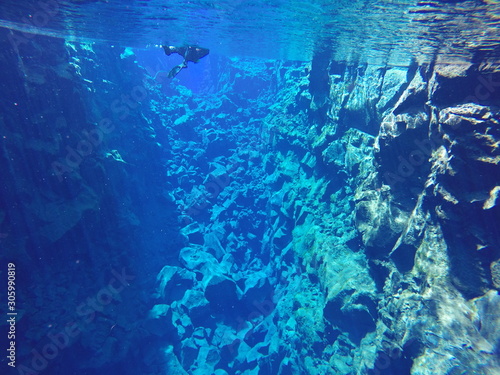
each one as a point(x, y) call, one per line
point(275, 225)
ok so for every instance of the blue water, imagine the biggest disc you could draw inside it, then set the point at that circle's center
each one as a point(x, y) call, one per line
point(386, 32)
point(208, 224)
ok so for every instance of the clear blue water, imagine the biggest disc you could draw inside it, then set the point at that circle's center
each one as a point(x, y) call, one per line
point(192, 191)
point(382, 32)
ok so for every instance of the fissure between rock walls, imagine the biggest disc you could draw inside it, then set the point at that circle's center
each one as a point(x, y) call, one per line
point(286, 218)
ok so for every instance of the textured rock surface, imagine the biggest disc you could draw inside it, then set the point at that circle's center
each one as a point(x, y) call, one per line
point(283, 218)
point(443, 186)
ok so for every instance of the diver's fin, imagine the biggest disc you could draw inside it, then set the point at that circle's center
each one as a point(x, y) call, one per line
point(168, 50)
point(176, 69)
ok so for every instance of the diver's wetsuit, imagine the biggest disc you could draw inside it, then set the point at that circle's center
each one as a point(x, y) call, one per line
point(190, 53)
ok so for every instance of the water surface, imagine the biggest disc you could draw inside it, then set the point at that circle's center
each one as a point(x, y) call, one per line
point(375, 31)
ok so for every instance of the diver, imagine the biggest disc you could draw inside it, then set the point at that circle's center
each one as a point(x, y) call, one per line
point(190, 53)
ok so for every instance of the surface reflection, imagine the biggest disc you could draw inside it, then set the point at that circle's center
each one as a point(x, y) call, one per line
point(370, 31)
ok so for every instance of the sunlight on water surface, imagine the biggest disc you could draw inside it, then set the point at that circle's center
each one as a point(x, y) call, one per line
point(381, 32)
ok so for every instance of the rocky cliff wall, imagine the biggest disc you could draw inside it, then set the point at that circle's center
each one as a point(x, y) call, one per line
point(286, 218)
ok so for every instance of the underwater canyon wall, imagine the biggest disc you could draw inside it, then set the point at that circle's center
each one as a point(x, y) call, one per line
point(283, 218)
point(429, 244)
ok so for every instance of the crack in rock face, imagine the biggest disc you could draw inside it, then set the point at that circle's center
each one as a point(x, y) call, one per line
point(250, 216)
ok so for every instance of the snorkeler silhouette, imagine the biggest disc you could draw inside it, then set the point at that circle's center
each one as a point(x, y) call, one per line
point(190, 53)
